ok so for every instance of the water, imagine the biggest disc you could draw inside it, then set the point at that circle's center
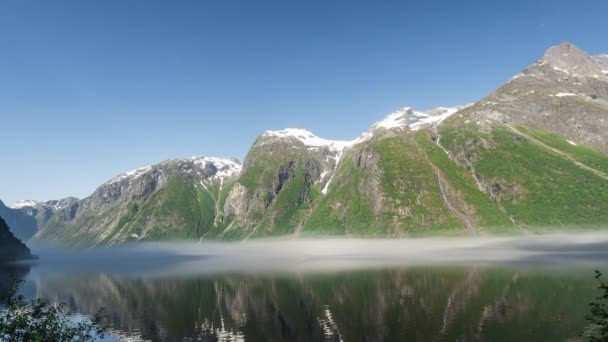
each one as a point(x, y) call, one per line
point(422, 290)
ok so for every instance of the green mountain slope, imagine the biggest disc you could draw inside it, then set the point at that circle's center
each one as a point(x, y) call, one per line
point(528, 157)
point(533, 183)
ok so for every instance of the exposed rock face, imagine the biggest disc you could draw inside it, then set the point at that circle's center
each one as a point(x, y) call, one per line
point(570, 60)
point(565, 92)
point(277, 181)
point(602, 62)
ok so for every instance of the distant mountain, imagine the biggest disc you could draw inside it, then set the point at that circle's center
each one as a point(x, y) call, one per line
point(11, 249)
point(27, 216)
point(24, 225)
point(176, 199)
point(530, 155)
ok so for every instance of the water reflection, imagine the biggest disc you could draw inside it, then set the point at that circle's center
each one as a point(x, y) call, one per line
point(403, 304)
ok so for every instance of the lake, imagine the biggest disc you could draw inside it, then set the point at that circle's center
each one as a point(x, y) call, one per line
point(524, 289)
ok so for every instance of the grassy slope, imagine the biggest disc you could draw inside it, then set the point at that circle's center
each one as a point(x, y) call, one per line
point(324, 220)
point(407, 181)
point(179, 210)
point(583, 154)
point(549, 190)
point(489, 215)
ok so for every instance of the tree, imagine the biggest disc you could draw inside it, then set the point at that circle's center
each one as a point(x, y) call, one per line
point(38, 320)
point(598, 315)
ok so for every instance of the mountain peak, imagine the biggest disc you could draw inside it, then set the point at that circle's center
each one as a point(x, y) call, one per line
point(569, 59)
point(24, 203)
point(407, 117)
point(306, 137)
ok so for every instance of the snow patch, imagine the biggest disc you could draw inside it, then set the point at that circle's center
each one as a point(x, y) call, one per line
point(24, 204)
point(226, 167)
point(563, 94)
point(308, 138)
point(131, 175)
point(562, 70)
point(406, 117)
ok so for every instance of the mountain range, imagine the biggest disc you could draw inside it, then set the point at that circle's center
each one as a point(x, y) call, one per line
point(529, 156)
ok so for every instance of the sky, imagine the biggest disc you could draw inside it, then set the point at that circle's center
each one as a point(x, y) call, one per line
point(90, 89)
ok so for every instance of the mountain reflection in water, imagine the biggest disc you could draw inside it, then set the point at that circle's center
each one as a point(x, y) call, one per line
point(418, 304)
point(524, 299)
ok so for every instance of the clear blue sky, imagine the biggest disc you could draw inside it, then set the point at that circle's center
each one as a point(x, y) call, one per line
point(89, 89)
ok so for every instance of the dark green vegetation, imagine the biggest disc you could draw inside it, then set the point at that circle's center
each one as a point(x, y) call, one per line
point(598, 315)
point(39, 321)
point(11, 249)
point(413, 304)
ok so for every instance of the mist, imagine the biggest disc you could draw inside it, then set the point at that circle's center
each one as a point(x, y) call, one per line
point(320, 255)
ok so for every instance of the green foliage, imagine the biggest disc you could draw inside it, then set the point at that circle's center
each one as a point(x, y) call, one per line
point(288, 201)
point(409, 178)
point(357, 217)
point(598, 313)
point(554, 191)
point(535, 186)
point(407, 183)
point(37, 320)
point(461, 180)
point(583, 154)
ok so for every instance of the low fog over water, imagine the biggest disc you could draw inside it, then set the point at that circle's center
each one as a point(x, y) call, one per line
point(299, 255)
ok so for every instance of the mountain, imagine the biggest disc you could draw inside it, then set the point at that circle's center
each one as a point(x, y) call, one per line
point(565, 92)
point(11, 249)
point(175, 199)
point(27, 216)
point(24, 225)
point(530, 155)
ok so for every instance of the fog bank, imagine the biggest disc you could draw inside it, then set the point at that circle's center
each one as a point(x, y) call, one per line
point(317, 255)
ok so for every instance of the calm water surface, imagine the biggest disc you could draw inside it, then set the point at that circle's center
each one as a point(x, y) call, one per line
point(538, 297)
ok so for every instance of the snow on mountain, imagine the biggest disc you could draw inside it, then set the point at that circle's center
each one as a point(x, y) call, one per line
point(133, 174)
point(24, 204)
point(226, 167)
point(27, 206)
point(564, 94)
point(407, 117)
point(307, 138)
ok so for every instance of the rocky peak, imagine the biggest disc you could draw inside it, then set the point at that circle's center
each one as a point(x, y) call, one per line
point(569, 59)
point(219, 167)
point(408, 118)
